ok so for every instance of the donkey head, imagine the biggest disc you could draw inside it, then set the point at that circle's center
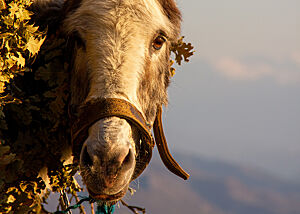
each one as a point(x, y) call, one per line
point(121, 51)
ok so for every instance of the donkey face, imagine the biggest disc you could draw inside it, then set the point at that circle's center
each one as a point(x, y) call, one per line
point(122, 51)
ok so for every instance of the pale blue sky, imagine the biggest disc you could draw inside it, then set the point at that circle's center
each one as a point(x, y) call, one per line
point(238, 99)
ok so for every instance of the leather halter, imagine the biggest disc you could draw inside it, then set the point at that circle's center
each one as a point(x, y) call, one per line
point(98, 109)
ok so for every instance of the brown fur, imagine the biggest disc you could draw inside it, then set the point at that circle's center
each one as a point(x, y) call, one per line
point(80, 76)
point(47, 14)
point(71, 5)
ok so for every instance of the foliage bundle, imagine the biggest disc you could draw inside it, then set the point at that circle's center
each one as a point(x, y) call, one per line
point(33, 111)
point(34, 123)
point(19, 40)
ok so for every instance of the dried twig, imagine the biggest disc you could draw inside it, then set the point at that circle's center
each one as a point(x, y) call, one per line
point(92, 208)
point(134, 209)
point(64, 201)
point(82, 211)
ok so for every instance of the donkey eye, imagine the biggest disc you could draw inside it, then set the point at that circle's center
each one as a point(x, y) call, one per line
point(158, 42)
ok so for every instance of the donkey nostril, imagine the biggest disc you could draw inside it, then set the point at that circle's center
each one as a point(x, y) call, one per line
point(86, 159)
point(128, 160)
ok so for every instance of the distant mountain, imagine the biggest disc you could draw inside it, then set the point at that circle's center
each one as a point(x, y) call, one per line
point(214, 188)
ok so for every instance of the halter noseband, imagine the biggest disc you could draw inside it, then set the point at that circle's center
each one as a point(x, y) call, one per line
point(98, 109)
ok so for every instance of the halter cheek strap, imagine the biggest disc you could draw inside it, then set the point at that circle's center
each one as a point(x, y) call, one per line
point(98, 109)
point(163, 149)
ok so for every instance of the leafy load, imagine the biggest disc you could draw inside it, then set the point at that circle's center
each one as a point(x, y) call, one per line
point(19, 40)
point(33, 112)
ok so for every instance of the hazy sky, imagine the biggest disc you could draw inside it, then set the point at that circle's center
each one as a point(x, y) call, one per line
point(239, 97)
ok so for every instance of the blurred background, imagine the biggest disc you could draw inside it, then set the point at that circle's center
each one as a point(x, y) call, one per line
point(239, 97)
point(233, 121)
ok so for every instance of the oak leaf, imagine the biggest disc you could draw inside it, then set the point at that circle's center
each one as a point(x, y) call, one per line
point(182, 51)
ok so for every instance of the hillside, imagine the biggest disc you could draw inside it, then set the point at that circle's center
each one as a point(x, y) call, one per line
point(214, 188)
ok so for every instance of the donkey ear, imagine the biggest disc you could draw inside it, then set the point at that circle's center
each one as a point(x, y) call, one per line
point(171, 10)
point(47, 14)
point(70, 6)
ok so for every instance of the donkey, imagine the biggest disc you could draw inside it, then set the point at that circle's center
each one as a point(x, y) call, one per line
point(120, 72)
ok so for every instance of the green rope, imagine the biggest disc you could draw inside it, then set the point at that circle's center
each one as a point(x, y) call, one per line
point(76, 205)
point(103, 209)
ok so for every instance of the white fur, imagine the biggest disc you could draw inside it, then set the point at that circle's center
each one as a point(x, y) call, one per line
point(110, 134)
point(117, 43)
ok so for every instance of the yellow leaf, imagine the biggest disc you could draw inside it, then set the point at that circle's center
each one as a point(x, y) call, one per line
point(7, 34)
point(33, 45)
point(7, 46)
point(12, 189)
point(8, 20)
point(17, 24)
point(20, 60)
point(14, 8)
point(2, 5)
point(3, 78)
point(23, 14)
point(31, 28)
point(10, 62)
point(10, 199)
point(1, 64)
point(2, 87)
